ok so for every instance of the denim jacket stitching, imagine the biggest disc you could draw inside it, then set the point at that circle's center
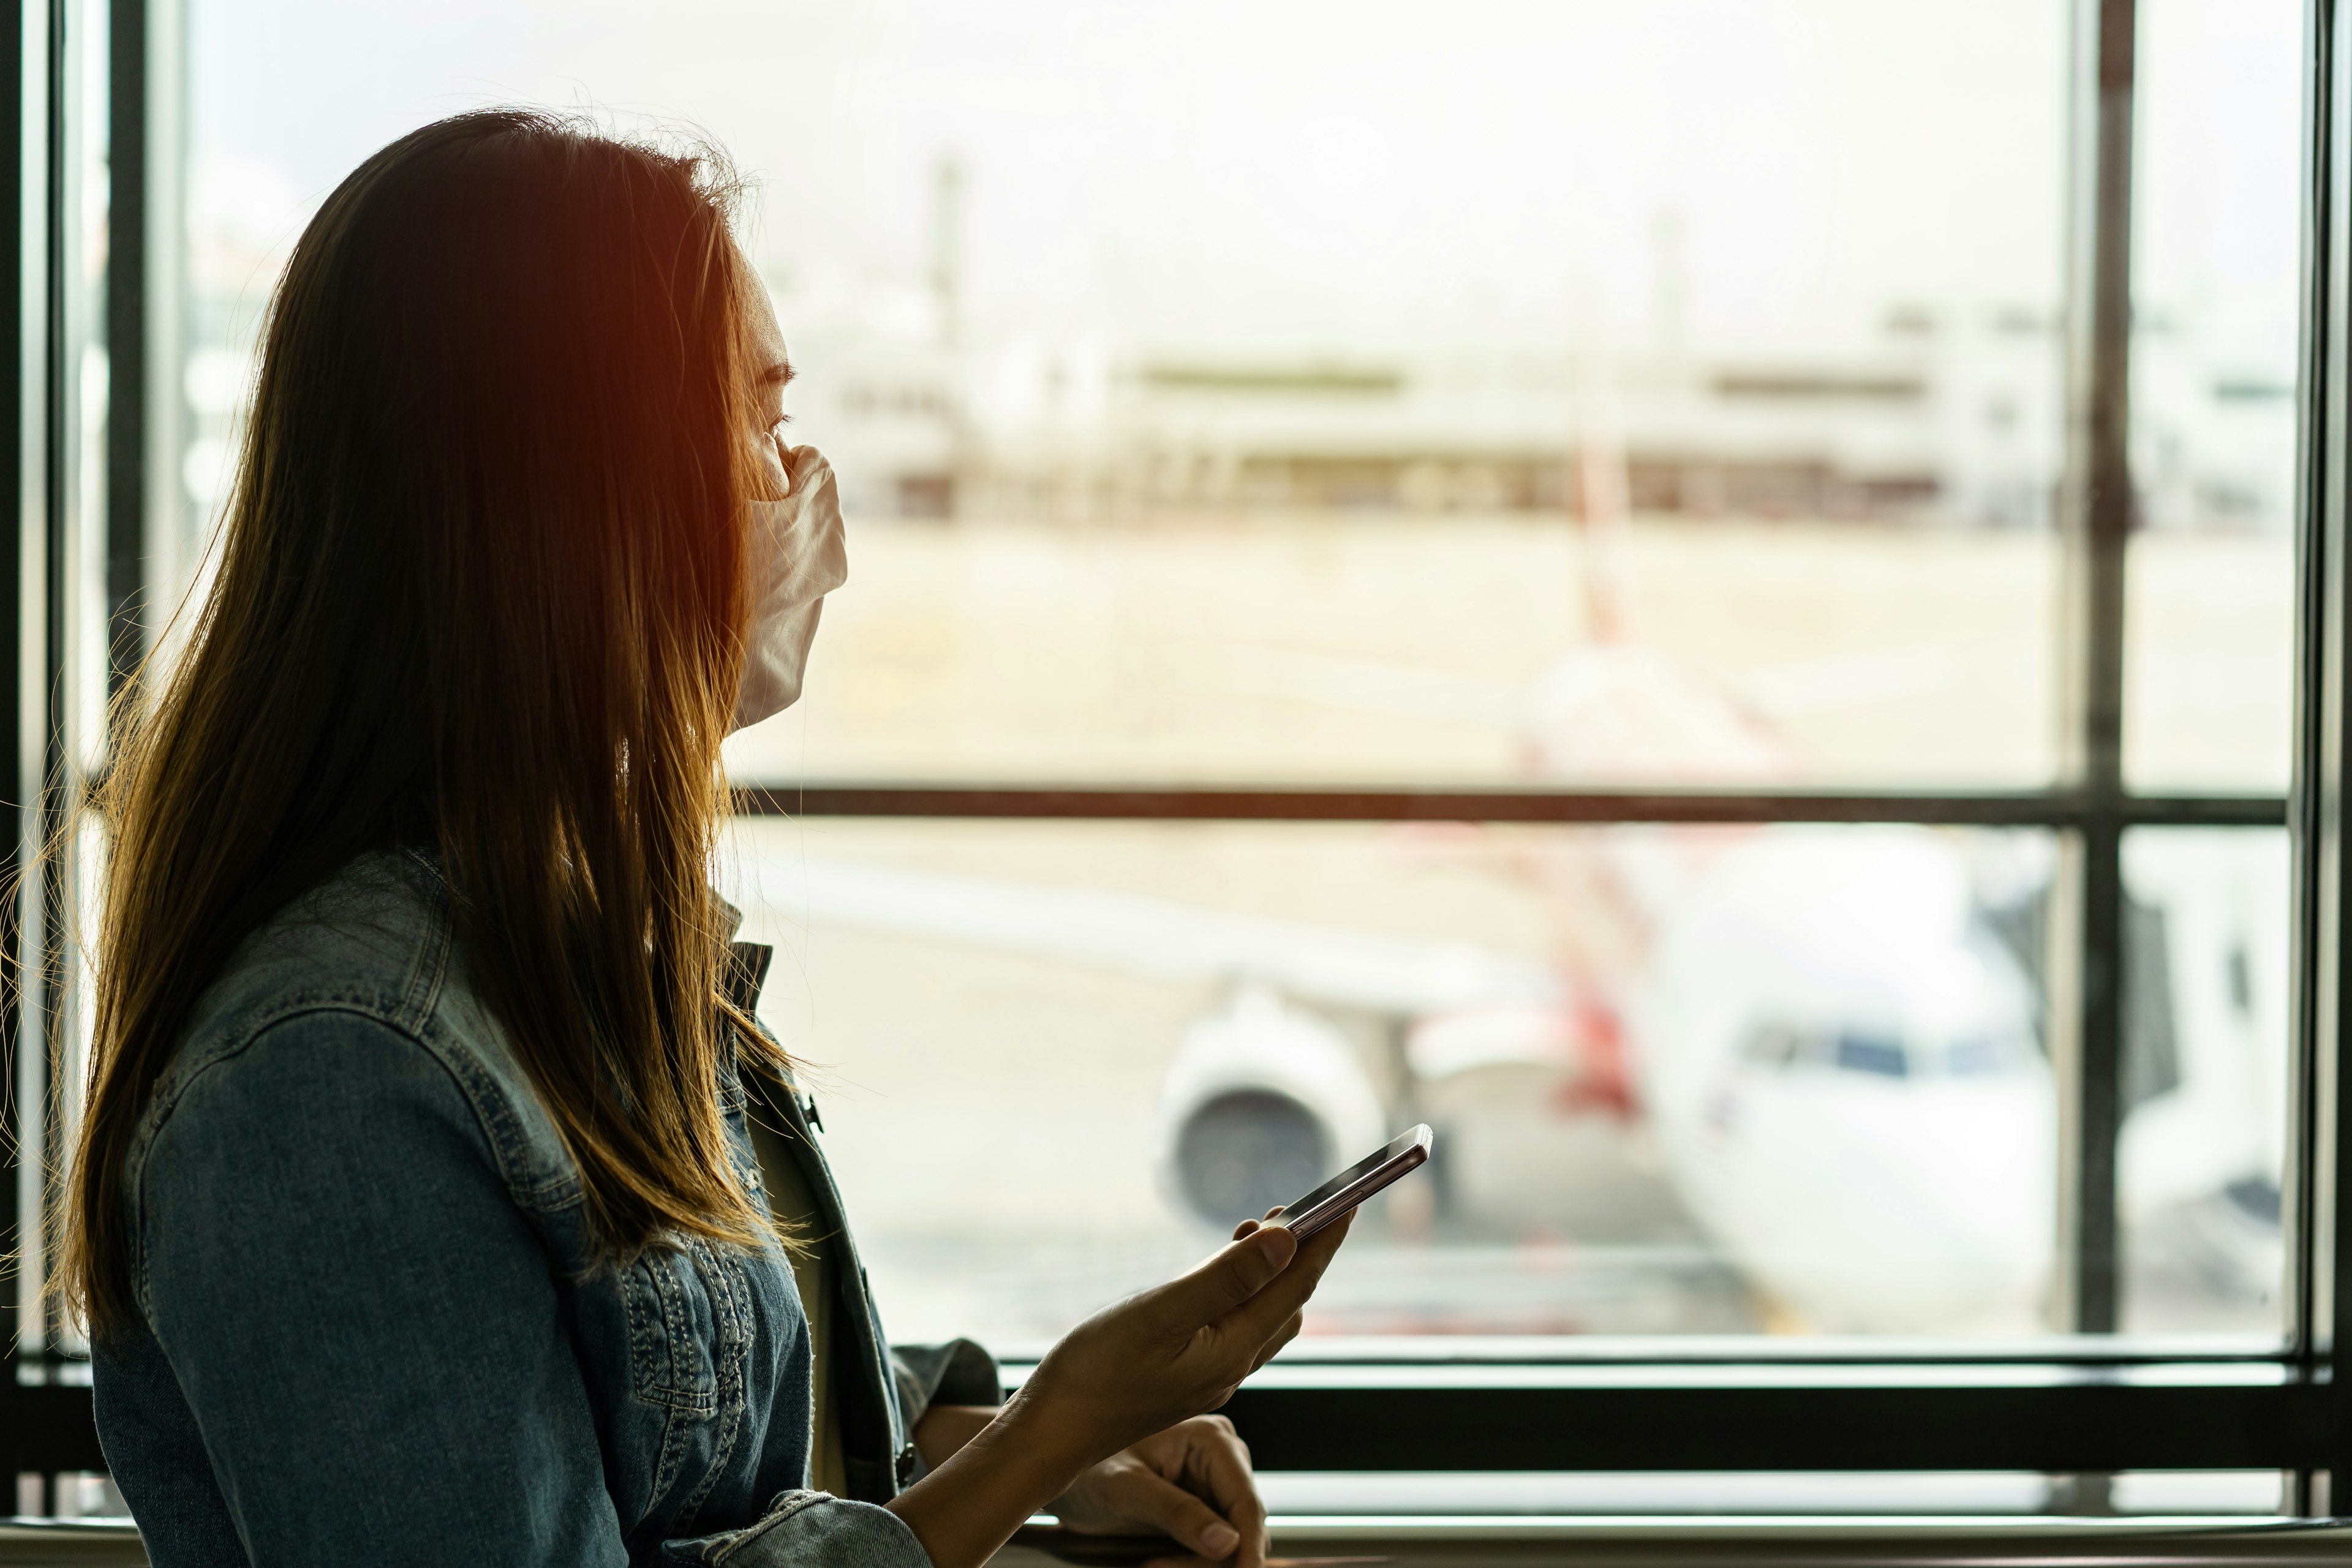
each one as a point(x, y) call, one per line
point(495, 1116)
point(419, 1014)
point(637, 1300)
point(730, 1317)
point(669, 1457)
point(669, 1454)
point(789, 1504)
point(430, 965)
point(678, 1386)
point(501, 1122)
point(678, 1392)
point(649, 1290)
point(696, 1377)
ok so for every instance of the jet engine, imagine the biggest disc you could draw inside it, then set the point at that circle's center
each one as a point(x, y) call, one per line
point(1264, 1101)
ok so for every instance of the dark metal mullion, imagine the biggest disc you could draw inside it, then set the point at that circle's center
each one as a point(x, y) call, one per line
point(56, 477)
point(2064, 808)
point(2315, 912)
point(2098, 525)
point(2324, 862)
point(13, 457)
point(2096, 1261)
point(127, 346)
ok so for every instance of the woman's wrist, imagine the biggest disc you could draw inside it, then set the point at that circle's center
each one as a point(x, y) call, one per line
point(1045, 1430)
point(946, 1428)
point(971, 1504)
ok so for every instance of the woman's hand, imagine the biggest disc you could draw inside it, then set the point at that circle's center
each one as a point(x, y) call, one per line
point(1131, 1370)
point(1169, 1354)
point(1192, 1481)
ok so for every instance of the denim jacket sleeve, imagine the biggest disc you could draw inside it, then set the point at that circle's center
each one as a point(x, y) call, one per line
point(368, 1331)
point(809, 1529)
point(813, 1530)
point(957, 1372)
point(359, 1315)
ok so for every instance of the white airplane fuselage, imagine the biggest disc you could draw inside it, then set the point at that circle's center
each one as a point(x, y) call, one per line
point(1841, 1068)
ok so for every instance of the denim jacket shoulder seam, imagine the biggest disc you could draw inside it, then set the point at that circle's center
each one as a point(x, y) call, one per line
point(369, 1008)
point(428, 968)
point(160, 1111)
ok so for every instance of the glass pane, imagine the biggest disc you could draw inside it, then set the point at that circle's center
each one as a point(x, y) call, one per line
point(1636, 389)
point(1766, 1081)
point(2205, 961)
point(2215, 304)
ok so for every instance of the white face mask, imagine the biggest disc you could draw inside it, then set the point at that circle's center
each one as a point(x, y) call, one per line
point(797, 556)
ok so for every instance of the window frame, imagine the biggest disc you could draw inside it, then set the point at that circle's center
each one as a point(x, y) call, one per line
point(2088, 1406)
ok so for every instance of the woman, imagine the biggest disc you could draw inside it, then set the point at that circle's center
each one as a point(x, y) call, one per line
point(416, 1218)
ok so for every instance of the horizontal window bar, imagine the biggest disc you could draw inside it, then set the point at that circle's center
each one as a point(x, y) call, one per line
point(1755, 1542)
point(1351, 1499)
point(1764, 1374)
point(1623, 1541)
point(1890, 1353)
point(1208, 803)
point(2064, 1425)
point(47, 1427)
point(1768, 1375)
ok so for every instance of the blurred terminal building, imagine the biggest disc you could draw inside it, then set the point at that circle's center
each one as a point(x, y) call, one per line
point(1947, 413)
point(1948, 418)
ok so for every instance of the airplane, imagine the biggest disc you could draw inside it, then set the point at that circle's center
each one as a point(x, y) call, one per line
point(1864, 1122)
point(1832, 1035)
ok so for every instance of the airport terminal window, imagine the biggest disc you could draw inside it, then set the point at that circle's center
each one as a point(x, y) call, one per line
point(2211, 620)
point(1702, 594)
point(1860, 1137)
point(1661, 392)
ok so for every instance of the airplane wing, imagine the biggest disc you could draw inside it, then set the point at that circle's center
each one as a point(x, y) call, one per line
point(1154, 937)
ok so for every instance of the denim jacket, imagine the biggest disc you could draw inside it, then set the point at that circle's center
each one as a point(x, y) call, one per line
point(372, 1328)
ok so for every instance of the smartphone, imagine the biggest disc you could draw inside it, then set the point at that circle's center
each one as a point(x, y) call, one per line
point(1359, 1180)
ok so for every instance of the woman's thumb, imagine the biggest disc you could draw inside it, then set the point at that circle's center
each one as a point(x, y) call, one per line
point(1230, 1278)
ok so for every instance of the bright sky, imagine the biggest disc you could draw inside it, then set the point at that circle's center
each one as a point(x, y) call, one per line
point(1337, 173)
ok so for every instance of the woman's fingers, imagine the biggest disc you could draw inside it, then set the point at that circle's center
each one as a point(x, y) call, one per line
point(1258, 1319)
point(1218, 1466)
point(1149, 1500)
point(1287, 1333)
point(1234, 1276)
point(1204, 1331)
